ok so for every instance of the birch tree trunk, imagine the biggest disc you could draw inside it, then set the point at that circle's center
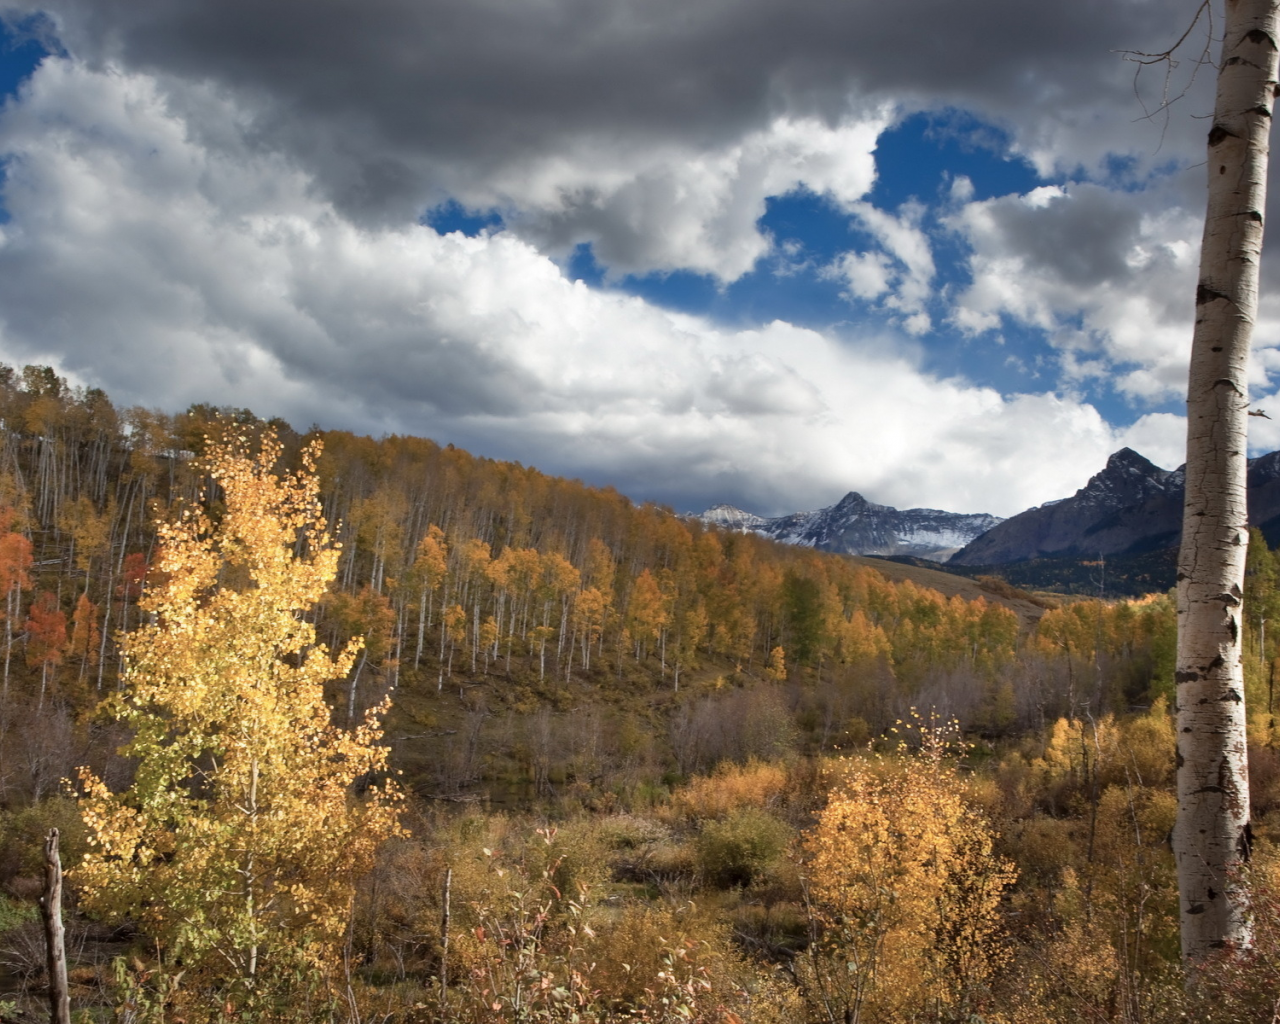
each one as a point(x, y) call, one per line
point(1212, 835)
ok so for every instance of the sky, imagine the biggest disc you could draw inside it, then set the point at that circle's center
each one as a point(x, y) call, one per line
point(731, 251)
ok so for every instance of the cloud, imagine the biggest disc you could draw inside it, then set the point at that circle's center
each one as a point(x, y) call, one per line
point(157, 255)
point(645, 127)
point(903, 272)
point(1108, 275)
point(674, 207)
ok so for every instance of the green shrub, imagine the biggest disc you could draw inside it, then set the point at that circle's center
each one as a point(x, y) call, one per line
point(22, 835)
point(14, 912)
point(738, 849)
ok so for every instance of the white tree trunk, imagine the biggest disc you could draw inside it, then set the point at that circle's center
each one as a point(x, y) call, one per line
point(1211, 838)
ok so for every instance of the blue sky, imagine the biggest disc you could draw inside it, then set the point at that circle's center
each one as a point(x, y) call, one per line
point(20, 53)
point(746, 258)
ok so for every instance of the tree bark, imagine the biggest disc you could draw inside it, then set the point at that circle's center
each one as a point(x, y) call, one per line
point(1212, 834)
point(55, 943)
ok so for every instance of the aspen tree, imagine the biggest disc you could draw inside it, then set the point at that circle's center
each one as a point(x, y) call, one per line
point(84, 634)
point(15, 562)
point(1212, 835)
point(646, 615)
point(903, 891)
point(46, 629)
point(239, 843)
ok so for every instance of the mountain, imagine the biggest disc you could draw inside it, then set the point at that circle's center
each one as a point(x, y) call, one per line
point(855, 526)
point(1131, 507)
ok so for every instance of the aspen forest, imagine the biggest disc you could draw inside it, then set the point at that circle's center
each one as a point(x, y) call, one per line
point(564, 758)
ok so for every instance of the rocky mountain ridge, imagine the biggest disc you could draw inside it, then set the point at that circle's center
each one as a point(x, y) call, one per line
point(1130, 507)
point(856, 526)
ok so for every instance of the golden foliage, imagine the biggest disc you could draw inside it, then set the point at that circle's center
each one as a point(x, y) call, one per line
point(238, 845)
point(755, 784)
point(905, 892)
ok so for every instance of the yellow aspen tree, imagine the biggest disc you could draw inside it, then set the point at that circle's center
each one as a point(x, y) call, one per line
point(455, 630)
point(238, 846)
point(904, 892)
point(777, 667)
point(90, 530)
point(378, 520)
point(475, 560)
point(646, 612)
point(430, 570)
point(488, 639)
point(590, 610)
point(691, 630)
point(558, 582)
point(600, 566)
point(863, 642)
point(369, 616)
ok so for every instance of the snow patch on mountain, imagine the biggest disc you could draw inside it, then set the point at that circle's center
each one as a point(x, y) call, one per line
point(855, 526)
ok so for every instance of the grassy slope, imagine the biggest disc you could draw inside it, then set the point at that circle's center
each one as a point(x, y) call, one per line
point(951, 585)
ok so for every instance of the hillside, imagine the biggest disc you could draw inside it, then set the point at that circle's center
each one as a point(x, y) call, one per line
point(602, 713)
point(952, 584)
point(519, 619)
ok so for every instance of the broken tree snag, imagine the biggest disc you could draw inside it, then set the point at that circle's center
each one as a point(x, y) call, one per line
point(54, 938)
point(1213, 790)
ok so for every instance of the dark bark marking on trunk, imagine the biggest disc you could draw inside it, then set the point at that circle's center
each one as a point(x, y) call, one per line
point(1205, 295)
point(1217, 134)
point(1244, 842)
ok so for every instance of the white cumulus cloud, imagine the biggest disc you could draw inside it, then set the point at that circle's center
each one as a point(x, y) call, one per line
point(170, 265)
point(1109, 275)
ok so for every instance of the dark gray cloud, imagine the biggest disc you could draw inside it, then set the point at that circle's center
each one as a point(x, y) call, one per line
point(1082, 242)
point(394, 103)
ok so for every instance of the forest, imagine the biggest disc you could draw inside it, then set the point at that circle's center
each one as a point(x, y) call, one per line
point(569, 758)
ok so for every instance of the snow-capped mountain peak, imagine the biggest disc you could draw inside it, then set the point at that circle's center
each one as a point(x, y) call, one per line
point(856, 526)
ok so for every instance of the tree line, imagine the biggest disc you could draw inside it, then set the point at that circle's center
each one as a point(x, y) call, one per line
point(470, 575)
